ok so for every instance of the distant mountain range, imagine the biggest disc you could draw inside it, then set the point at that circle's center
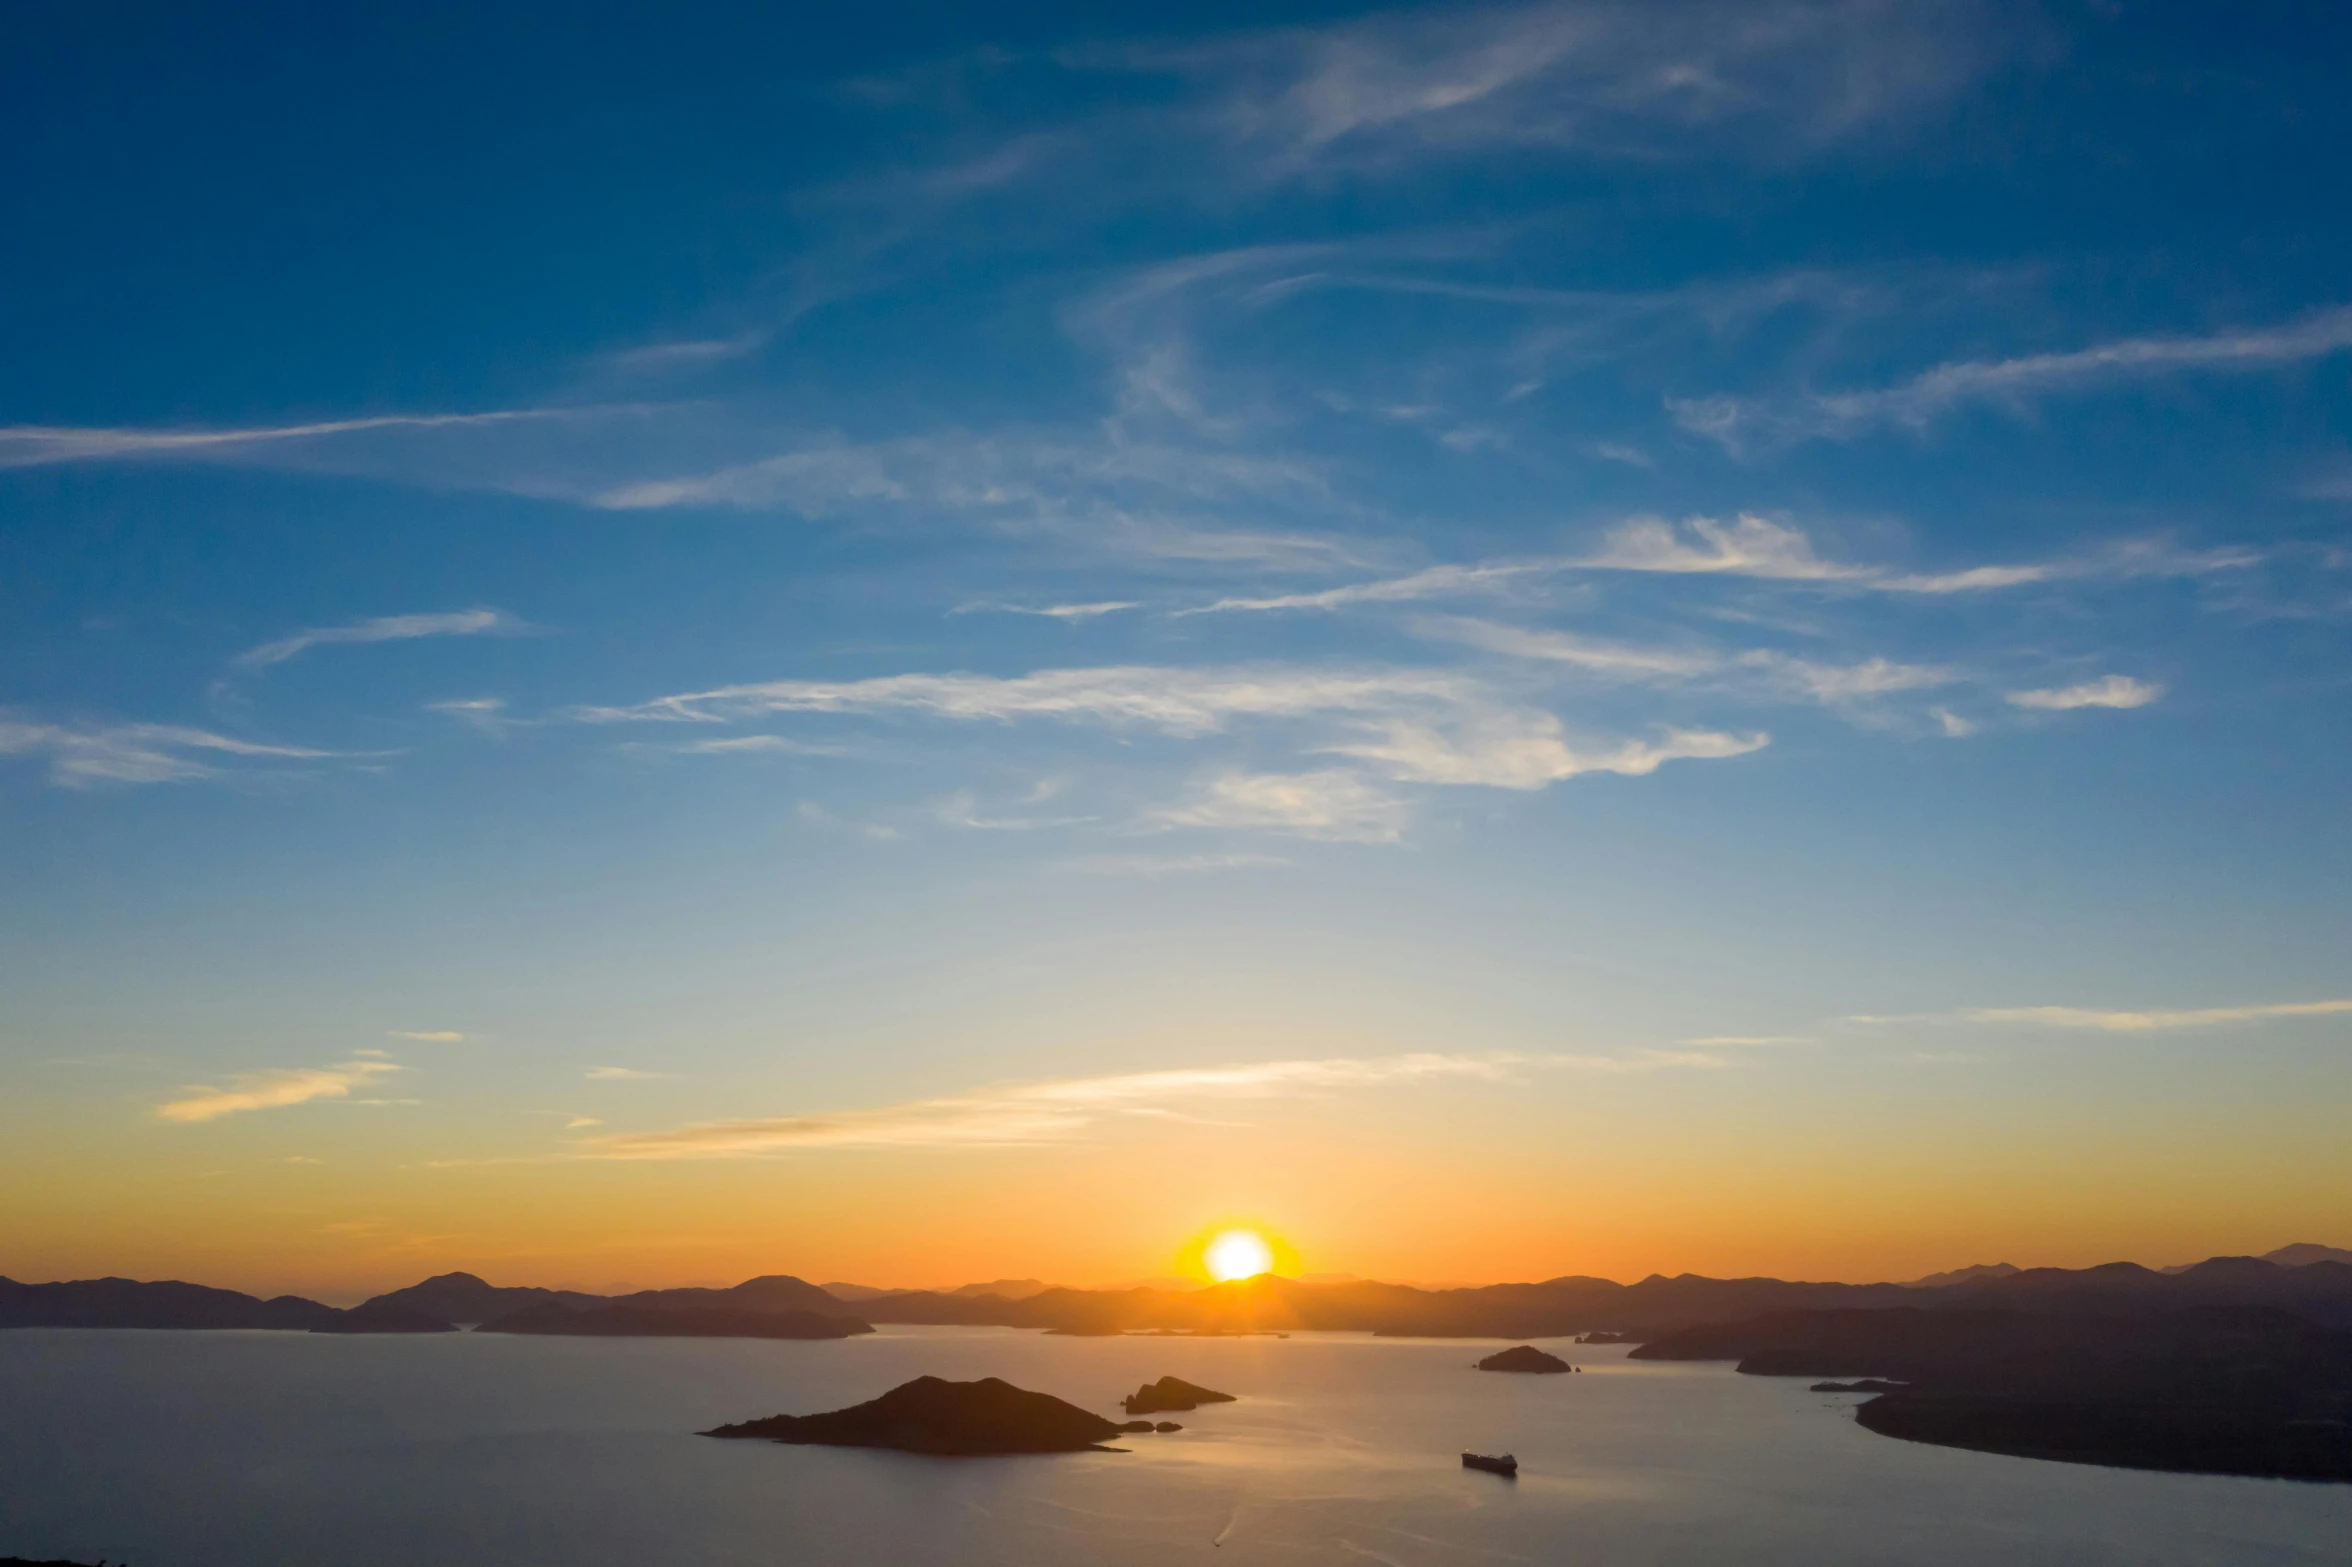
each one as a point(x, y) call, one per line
point(2317, 1290)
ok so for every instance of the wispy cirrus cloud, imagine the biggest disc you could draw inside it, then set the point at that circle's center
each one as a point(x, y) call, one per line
point(82, 757)
point(1337, 804)
point(1434, 582)
point(383, 628)
point(2143, 1021)
point(1065, 1109)
point(623, 1074)
point(432, 1036)
point(1594, 79)
point(28, 446)
point(1739, 423)
point(1408, 725)
point(1155, 867)
point(1752, 546)
point(2110, 691)
point(274, 1090)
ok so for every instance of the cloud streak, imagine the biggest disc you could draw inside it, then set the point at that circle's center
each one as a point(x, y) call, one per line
point(2111, 691)
point(273, 1090)
point(1062, 1110)
point(82, 757)
point(1914, 404)
point(2126, 1022)
point(383, 628)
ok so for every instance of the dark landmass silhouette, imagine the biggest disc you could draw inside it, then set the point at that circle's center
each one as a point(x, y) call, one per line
point(1525, 1358)
point(21, 1561)
point(1655, 1306)
point(377, 1317)
point(462, 1297)
point(1866, 1385)
point(1983, 1270)
point(2304, 1253)
point(2245, 1390)
point(632, 1321)
point(1171, 1395)
point(931, 1415)
point(129, 1303)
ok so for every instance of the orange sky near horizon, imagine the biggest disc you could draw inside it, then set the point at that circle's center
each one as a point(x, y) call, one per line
point(1386, 1191)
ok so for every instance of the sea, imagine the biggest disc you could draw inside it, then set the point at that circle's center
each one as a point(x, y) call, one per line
point(297, 1450)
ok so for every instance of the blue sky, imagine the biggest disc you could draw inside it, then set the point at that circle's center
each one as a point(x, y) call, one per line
point(818, 568)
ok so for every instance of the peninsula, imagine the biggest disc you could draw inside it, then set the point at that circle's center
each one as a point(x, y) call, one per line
point(2244, 1390)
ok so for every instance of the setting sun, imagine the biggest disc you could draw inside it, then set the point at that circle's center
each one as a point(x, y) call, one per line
point(1238, 1254)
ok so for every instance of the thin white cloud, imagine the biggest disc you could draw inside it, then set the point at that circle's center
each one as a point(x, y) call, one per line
point(1335, 804)
point(1434, 582)
point(27, 446)
point(1070, 613)
point(1735, 1041)
point(1837, 684)
point(486, 713)
point(1154, 867)
point(2111, 691)
point(1178, 701)
point(83, 757)
point(621, 1074)
point(384, 628)
point(438, 1036)
point(1412, 725)
point(1752, 546)
point(2124, 1022)
point(1397, 91)
point(273, 1090)
point(1914, 404)
point(1525, 749)
point(753, 744)
point(1559, 647)
point(1057, 1111)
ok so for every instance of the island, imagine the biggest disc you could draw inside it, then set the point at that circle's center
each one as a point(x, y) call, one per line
point(1525, 1358)
point(935, 1416)
point(2240, 1390)
point(1171, 1395)
point(556, 1319)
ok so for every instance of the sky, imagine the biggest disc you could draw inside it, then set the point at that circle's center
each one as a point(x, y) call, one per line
point(644, 645)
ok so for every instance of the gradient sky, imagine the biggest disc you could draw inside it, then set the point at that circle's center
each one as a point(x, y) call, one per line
point(651, 644)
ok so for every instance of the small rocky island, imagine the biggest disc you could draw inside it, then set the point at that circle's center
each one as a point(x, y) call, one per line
point(933, 1415)
point(1525, 1358)
point(1171, 1395)
point(555, 1318)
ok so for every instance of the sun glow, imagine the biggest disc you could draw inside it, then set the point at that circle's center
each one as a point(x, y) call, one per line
point(1237, 1254)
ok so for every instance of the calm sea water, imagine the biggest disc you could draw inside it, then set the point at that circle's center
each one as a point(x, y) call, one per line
point(293, 1450)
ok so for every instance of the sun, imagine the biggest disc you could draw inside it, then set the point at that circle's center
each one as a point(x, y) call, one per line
point(1237, 1254)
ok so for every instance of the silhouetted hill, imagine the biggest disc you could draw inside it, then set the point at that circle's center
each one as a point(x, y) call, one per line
point(769, 1292)
point(2304, 1253)
point(463, 1297)
point(691, 1321)
point(2218, 1389)
point(1656, 1305)
point(930, 1415)
point(129, 1303)
point(1982, 1270)
point(1525, 1358)
point(377, 1317)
